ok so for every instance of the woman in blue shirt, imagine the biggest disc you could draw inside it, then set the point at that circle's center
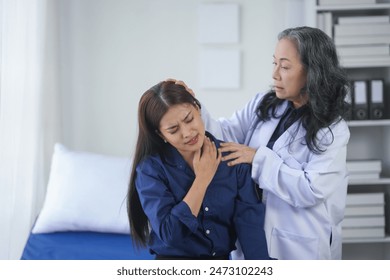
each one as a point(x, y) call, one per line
point(183, 202)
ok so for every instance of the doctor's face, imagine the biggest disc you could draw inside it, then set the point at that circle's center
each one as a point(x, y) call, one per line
point(289, 74)
point(183, 128)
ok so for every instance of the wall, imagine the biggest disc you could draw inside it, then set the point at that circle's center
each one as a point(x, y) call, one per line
point(112, 51)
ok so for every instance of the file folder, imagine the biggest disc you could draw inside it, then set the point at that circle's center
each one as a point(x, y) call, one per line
point(376, 103)
point(360, 104)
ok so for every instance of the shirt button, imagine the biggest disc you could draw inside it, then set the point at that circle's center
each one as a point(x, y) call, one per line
point(214, 254)
point(208, 231)
point(206, 209)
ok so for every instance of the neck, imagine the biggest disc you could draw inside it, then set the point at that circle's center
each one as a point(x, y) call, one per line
point(189, 159)
point(300, 101)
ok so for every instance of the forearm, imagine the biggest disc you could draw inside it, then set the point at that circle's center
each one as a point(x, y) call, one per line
point(205, 164)
point(195, 195)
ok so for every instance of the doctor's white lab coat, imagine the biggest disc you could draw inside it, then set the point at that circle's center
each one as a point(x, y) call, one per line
point(304, 192)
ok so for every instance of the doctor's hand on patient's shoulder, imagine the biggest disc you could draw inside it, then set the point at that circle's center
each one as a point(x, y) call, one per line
point(178, 82)
point(238, 153)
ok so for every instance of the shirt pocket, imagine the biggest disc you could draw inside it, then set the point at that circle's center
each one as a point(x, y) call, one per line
point(291, 246)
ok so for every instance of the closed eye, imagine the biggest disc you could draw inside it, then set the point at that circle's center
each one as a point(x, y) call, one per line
point(172, 129)
point(189, 117)
point(189, 120)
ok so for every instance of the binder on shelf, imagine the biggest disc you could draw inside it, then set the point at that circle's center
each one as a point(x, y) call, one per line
point(359, 98)
point(321, 21)
point(328, 24)
point(325, 23)
point(376, 104)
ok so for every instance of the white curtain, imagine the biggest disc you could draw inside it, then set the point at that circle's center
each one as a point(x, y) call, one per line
point(29, 115)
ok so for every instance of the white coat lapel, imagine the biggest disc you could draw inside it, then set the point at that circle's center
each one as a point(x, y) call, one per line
point(264, 130)
point(285, 139)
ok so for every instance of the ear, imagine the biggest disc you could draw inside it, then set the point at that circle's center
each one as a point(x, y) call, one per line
point(160, 135)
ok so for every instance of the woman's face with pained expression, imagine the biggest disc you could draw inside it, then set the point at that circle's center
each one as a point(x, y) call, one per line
point(183, 128)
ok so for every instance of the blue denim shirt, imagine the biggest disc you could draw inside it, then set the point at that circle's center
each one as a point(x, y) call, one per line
point(231, 209)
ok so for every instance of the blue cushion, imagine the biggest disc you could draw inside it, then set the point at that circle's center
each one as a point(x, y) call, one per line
point(82, 246)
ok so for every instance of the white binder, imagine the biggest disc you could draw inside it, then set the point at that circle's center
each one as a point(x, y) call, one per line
point(376, 100)
point(360, 104)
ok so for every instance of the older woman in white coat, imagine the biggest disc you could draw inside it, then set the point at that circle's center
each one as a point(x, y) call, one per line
point(296, 139)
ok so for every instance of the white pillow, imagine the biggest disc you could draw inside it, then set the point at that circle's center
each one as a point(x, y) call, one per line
point(86, 192)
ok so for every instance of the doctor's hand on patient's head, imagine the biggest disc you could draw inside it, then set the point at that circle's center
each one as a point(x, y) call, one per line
point(179, 82)
point(237, 153)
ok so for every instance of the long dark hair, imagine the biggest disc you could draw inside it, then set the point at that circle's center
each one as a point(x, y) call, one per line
point(153, 105)
point(326, 84)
